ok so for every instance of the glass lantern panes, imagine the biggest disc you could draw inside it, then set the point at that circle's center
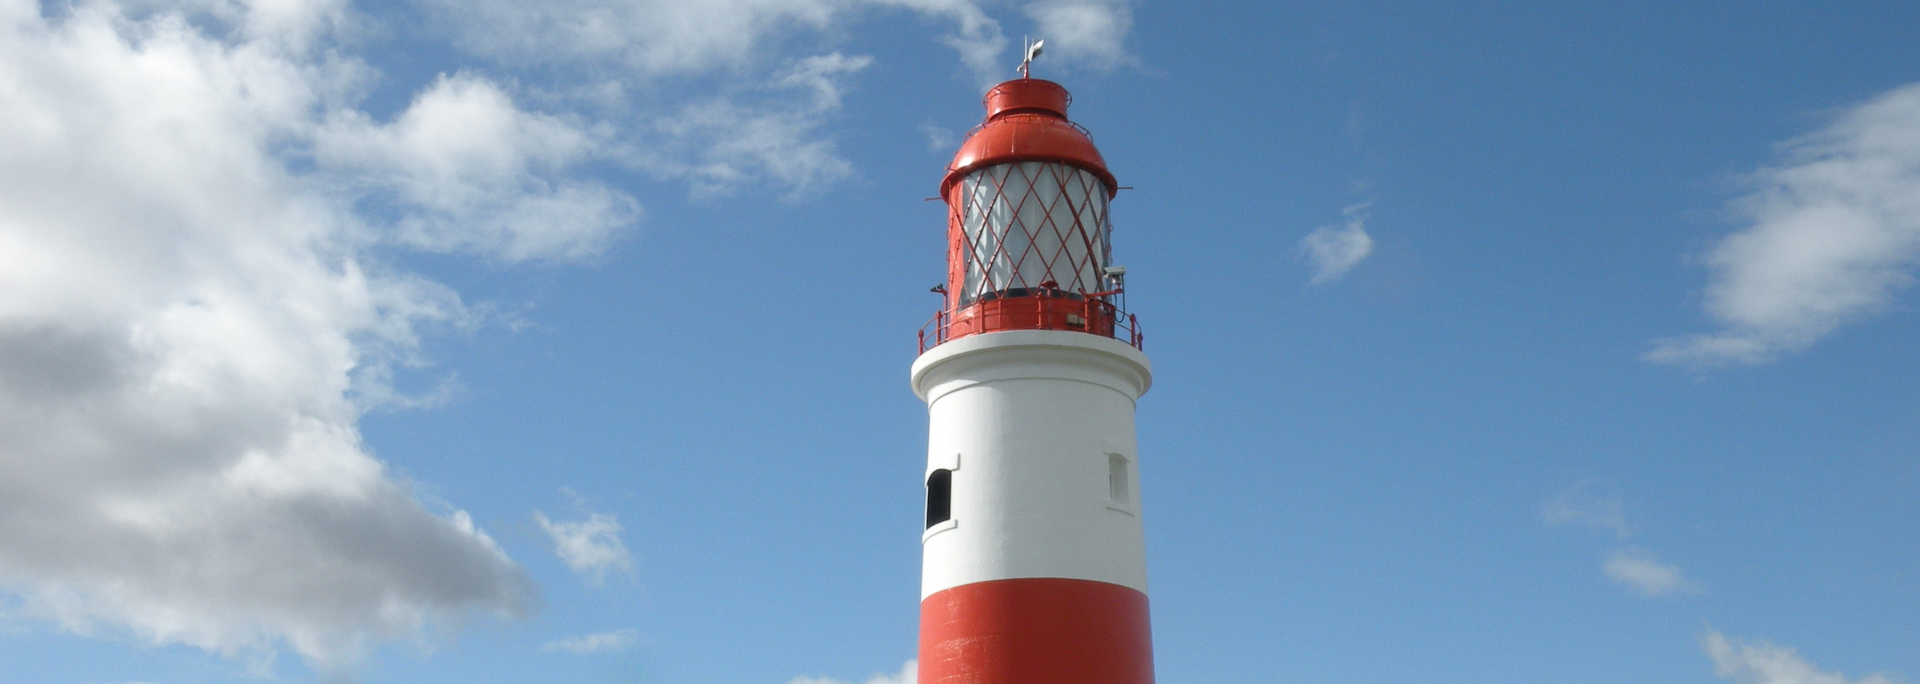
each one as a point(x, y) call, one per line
point(1033, 225)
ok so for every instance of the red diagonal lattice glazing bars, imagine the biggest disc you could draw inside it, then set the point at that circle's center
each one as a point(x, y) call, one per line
point(1030, 222)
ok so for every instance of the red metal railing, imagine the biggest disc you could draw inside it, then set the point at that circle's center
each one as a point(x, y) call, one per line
point(1124, 326)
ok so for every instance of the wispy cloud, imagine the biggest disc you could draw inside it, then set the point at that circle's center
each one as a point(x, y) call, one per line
point(939, 139)
point(591, 547)
point(1601, 509)
point(1639, 570)
point(1832, 236)
point(1090, 33)
point(617, 640)
point(908, 674)
point(660, 38)
point(1762, 662)
point(1589, 505)
point(739, 113)
point(722, 144)
point(1335, 249)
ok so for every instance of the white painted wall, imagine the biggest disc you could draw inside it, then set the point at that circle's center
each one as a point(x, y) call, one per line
point(1027, 420)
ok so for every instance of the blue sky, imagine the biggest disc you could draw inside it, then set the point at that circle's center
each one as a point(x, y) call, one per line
point(433, 341)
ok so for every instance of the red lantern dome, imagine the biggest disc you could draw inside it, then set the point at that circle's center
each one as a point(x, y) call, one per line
point(1027, 231)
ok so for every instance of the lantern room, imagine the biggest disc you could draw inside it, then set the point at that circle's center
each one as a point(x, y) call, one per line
point(1028, 235)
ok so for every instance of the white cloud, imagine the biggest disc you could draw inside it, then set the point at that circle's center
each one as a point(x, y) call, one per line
point(192, 322)
point(669, 37)
point(1833, 236)
point(909, 673)
point(1084, 32)
point(1761, 662)
point(762, 121)
point(617, 640)
point(1334, 250)
point(590, 547)
point(720, 144)
point(197, 214)
point(1589, 505)
point(1637, 569)
point(940, 139)
point(473, 172)
point(1600, 509)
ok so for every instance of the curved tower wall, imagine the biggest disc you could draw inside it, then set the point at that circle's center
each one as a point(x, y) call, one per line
point(1039, 573)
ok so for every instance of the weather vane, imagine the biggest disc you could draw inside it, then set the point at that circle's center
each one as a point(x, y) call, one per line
point(1033, 50)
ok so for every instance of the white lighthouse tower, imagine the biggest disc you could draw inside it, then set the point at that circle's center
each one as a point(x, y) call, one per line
point(1034, 567)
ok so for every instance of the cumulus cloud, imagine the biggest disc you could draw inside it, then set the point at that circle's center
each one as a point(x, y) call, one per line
point(1084, 32)
point(617, 640)
point(192, 323)
point(909, 673)
point(590, 547)
point(1761, 662)
point(1335, 249)
point(1589, 505)
point(470, 171)
point(198, 212)
point(1832, 236)
point(1639, 570)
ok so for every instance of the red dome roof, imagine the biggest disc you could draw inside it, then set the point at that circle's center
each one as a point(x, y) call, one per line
point(1027, 121)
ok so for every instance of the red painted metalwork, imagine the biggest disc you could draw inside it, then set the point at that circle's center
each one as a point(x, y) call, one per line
point(1035, 313)
point(1027, 121)
point(1028, 235)
point(1036, 630)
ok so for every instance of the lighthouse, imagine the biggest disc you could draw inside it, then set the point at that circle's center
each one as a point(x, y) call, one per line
point(1033, 561)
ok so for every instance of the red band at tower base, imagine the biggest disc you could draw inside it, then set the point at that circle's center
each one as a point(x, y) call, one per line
point(1036, 631)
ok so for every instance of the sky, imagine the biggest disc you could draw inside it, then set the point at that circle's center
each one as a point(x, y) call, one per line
point(491, 341)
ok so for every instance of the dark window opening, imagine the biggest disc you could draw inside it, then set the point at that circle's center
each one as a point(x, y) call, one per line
point(939, 497)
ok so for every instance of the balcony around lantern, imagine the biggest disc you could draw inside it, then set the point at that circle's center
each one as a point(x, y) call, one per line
point(1042, 308)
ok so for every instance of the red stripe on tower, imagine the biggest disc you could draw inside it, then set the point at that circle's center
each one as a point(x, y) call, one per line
point(1058, 631)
